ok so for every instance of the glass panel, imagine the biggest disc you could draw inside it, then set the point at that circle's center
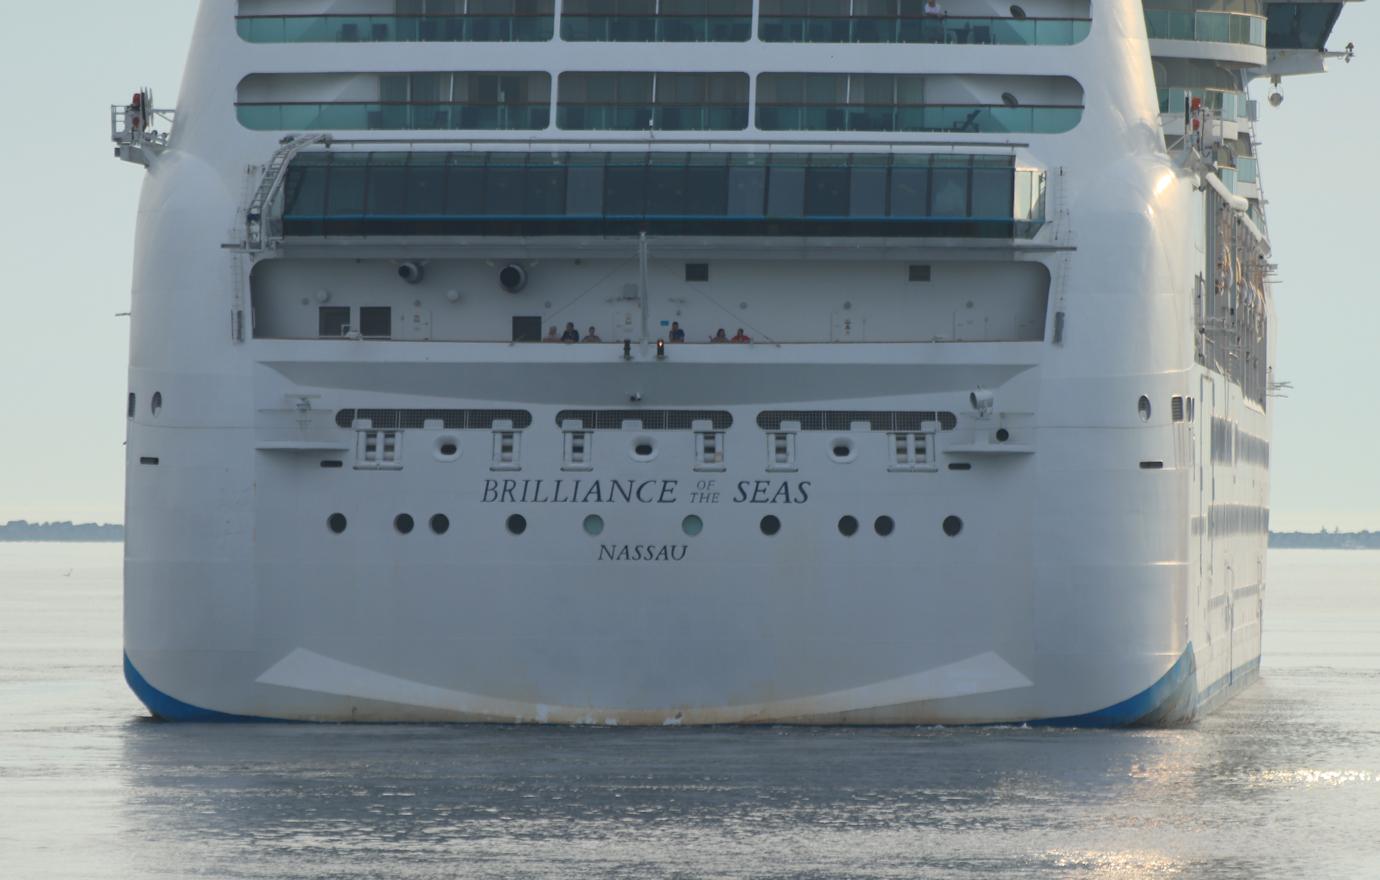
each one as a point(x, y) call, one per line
point(585, 185)
point(786, 187)
point(666, 184)
point(910, 187)
point(747, 186)
point(706, 186)
point(388, 185)
point(992, 192)
point(465, 185)
point(346, 194)
point(503, 184)
point(826, 188)
point(625, 186)
point(305, 190)
point(867, 187)
point(426, 185)
point(545, 185)
point(950, 183)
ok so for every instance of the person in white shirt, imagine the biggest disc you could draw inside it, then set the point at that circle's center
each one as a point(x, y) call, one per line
point(932, 7)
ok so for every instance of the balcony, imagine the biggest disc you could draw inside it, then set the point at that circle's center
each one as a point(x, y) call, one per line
point(401, 116)
point(923, 29)
point(950, 118)
point(534, 26)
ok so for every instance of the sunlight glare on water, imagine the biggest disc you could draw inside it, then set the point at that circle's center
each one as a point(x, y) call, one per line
point(1283, 782)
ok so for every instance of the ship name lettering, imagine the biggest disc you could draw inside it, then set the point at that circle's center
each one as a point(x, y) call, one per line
point(565, 491)
point(642, 552)
point(769, 492)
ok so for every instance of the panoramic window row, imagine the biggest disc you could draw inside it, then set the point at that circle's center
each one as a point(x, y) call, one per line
point(332, 193)
point(1207, 27)
point(1038, 23)
point(653, 101)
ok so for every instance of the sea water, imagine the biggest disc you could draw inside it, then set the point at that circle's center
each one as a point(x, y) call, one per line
point(1282, 782)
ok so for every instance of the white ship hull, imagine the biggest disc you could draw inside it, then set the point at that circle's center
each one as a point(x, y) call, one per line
point(1107, 569)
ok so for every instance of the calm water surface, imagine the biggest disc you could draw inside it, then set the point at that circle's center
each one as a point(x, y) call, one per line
point(1284, 782)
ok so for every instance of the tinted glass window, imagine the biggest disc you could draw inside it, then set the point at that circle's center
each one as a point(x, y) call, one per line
point(867, 190)
point(584, 194)
point(333, 321)
point(786, 190)
point(910, 189)
point(426, 187)
point(465, 188)
point(346, 192)
point(747, 185)
point(950, 197)
point(826, 191)
point(376, 321)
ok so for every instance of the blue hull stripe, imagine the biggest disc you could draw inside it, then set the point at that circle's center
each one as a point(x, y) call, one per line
point(1171, 700)
point(1167, 701)
point(172, 709)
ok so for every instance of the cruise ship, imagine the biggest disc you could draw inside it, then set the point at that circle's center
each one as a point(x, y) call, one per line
point(685, 362)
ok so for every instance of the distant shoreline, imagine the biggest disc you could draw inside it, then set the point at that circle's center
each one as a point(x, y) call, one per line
point(16, 531)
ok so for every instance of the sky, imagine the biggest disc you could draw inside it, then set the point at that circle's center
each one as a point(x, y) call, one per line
point(68, 232)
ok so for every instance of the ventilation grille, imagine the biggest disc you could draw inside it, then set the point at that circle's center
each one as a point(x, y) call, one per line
point(454, 419)
point(842, 420)
point(651, 419)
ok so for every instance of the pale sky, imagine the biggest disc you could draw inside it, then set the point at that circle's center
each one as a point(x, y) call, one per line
point(68, 229)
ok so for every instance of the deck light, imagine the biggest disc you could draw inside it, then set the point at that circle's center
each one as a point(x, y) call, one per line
point(661, 349)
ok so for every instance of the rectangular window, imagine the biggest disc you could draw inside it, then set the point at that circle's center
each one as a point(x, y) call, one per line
point(910, 452)
point(696, 271)
point(709, 450)
point(376, 322)
point(527, 328)
point(378, 450)
point(578, 446)
point(333, 322)
point(507, 446)
point(919, 273)
point(781, 450)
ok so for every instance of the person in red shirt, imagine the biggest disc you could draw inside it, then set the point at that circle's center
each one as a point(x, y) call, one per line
point(740, 336)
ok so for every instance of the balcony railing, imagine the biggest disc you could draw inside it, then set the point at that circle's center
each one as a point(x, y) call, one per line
point(651, 117)
point(378, 116)
point(1230, 106)
point(664, 28)
point(962, 118)
point(1207, 27)
point(923, 29)
point(522, 27)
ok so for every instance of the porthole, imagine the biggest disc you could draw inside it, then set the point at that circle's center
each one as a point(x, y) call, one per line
point(848, 526)
point(1003, 435)
point(156, 404)
point(843, 449)
point(692, 525)
point(770, 525)
point(884, 525)
point(404, 523)
point(440, 523)
point(447, 447)
point(337, 523)
point(1143, 407)
point(594, 524)
point(643, 449)
point(952, 526)
point(517, 524)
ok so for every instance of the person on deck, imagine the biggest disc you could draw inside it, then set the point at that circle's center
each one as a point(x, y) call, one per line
point(677, 334)
point(721, 336)
point(740, 336)
point(591, 336)
point(552, 334)
point(570, 334)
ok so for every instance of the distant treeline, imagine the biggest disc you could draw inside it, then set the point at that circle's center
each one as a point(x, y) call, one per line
point(1325, 540)
point(22, 530)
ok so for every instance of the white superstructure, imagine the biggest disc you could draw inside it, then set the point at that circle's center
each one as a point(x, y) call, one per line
point(992, 445)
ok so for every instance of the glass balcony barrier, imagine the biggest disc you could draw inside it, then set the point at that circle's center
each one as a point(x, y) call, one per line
point(651, 117)
point(1247, 169)
point(664, 28)
point(835, 194)
point(923, 29)
point(375, 116)
point(1208, 27)
point(961, 118)
point(522, 27)
point(1228, 105)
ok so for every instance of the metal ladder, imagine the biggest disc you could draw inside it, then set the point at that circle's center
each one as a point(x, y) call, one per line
point(271, 184)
